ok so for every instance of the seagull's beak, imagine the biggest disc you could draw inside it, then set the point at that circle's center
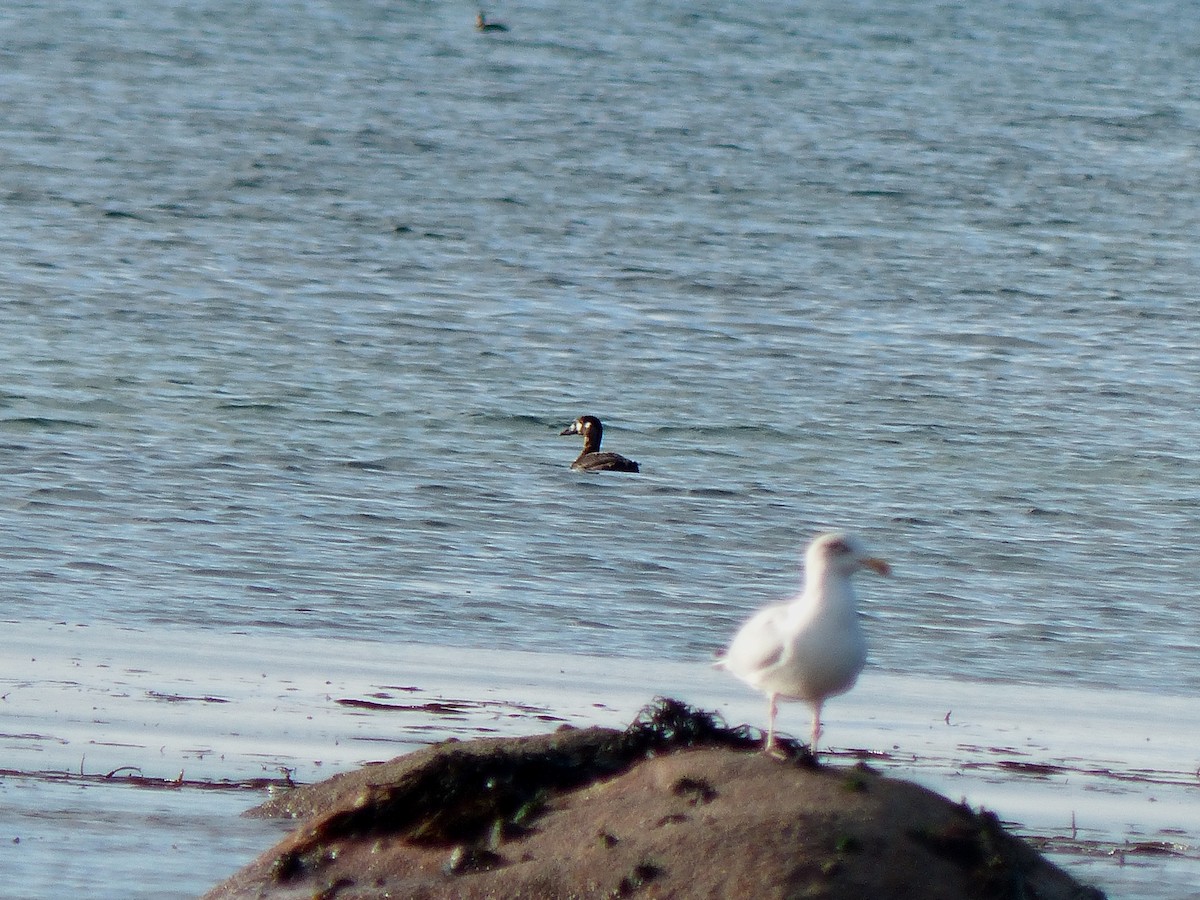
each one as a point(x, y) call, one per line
point(573, 428)
point(876, 565)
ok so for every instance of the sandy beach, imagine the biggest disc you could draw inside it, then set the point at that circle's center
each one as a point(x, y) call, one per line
point(129, 755)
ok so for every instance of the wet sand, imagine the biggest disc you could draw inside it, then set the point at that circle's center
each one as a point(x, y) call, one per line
point(676, 805)
point(108, 735)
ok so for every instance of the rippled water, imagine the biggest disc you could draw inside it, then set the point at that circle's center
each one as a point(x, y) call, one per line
point(297, 298)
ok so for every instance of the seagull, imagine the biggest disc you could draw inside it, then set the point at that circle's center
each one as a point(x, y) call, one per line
point(812, 647)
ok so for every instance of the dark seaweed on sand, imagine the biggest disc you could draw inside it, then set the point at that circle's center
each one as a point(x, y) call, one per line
point(462, 794)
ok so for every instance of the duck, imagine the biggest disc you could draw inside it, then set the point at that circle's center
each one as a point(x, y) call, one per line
point(592, 459)
point(482, 24)
point(812, 647)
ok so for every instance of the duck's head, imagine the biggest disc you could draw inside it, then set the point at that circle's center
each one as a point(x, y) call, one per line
point(585, 425)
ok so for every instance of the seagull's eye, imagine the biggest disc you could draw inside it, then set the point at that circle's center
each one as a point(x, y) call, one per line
point(839, 546)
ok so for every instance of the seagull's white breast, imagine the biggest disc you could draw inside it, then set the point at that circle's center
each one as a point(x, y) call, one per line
point(801, 651)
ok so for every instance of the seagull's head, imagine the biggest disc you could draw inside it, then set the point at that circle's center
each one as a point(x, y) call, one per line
point(843, 553)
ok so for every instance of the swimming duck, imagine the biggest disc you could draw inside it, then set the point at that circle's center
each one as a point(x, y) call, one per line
point(591, 459)
point(482, 24)
point(811, 648)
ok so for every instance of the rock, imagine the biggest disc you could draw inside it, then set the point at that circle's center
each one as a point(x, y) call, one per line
point(675, 806)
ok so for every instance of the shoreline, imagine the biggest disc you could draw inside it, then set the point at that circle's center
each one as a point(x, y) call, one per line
point(1094, 776)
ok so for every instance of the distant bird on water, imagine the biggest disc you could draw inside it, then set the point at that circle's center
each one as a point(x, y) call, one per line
point(811, 648)
point(482, 24)
point(591, 459)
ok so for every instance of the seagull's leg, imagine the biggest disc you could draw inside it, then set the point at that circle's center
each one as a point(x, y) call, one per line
point(772, 709)
point(816, 728)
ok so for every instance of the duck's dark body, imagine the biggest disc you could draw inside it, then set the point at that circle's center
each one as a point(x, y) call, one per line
point(482, 24)
point(592, 459)
point(604, 462)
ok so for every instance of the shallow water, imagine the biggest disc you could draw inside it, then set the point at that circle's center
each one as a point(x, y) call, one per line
point(115, 738)
point(110, 841)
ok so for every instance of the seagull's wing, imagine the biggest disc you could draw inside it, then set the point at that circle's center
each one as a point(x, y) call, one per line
point(759, 645)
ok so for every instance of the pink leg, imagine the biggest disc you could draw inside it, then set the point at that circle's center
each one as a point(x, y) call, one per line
point(772, 709)
point(816, 729)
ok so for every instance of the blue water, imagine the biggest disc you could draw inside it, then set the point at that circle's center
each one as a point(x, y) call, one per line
point(296, 298)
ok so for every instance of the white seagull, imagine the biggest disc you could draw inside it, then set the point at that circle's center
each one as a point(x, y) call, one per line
point(811, 648)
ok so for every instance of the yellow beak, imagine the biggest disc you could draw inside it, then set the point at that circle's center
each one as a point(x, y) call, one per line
point(878, 566)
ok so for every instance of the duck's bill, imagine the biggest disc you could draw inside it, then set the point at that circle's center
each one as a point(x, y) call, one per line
point(573, 428)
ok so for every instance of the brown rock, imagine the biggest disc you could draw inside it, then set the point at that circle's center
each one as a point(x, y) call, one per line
point(675, 806)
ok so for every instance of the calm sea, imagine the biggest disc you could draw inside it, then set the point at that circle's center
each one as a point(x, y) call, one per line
point(296, 298)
